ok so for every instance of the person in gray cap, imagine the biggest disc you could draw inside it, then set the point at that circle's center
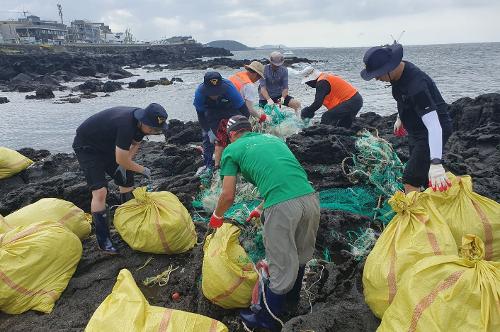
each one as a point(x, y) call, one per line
point(106, 143)
point(422, 114)
point(291, 210)
point(273, 87)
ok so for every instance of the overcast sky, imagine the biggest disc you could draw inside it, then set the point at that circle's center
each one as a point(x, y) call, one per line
point(294, 23)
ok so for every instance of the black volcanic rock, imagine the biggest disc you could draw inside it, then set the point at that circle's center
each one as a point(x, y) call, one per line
point(42, 93)
point(4, 100)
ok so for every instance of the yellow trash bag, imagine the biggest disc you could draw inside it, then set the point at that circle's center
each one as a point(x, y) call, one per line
point(155, 222)
point(12, 162)
point(126, 309)
point(36, 264)
point(50, 209)
point(417, 231)
point(467, 212)
point(448, 293)
point(228, 276)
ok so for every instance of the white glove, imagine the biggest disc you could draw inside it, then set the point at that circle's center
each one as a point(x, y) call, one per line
point(270, 102)
point(397, 124)
point(437, 178)
point(399, 130)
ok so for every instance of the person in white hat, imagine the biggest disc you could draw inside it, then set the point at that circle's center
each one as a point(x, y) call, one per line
point(244, 81)
point(341, 99)
point(273, 87)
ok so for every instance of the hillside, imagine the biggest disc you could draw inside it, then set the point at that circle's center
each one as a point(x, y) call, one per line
point(231, 45)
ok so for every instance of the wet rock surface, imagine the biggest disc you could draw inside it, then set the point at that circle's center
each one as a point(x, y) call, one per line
point(334, 290)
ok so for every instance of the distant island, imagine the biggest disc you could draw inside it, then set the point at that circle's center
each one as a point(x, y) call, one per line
point(231, 45)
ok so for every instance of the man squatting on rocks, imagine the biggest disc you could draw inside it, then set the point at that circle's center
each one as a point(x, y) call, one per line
point(422, 113)
point(291, 211)
point(107, 143)
point(273, 87)
point(216, 100)
point(341, 99)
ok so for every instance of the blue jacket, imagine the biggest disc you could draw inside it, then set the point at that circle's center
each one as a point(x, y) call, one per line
point(210, 111)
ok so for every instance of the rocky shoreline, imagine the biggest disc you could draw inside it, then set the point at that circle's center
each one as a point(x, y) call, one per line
point(335, 292)
point(45, 71)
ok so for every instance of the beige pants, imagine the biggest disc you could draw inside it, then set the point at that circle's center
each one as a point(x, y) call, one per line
point(289, 237)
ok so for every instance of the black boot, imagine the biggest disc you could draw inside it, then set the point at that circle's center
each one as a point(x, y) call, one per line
point(262, 318)
point(101, 225)
point(125, 197)
point(293, 296)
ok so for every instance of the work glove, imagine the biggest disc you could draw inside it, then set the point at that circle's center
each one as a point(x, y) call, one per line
point(306, 113)
point(270, 102)
point(216, 221)
point(437, 178)
point(121, 171)
point(211, 136)
point(399, 130)
point(147, 173)
point(254, 214)
point(262, 118)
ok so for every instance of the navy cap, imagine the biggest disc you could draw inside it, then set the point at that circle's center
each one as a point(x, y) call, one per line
point(213, 84)
point(380, 60)
point(154, 116)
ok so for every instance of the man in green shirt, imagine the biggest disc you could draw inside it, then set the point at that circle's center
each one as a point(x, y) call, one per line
point(291, 211)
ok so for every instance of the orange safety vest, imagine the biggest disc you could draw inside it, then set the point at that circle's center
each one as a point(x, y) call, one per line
point(340, 90)
point(240, 79)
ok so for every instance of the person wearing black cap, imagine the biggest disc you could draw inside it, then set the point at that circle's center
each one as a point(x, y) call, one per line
point(422, 113)
point(216, 100)
point(291, 210)
point(106, 143)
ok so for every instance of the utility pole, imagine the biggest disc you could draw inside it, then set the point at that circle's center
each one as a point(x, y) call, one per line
point(59, 7)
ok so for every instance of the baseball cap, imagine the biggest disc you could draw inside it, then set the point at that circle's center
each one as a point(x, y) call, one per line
point(213, 84)
point(238, 122)
point(154, 116)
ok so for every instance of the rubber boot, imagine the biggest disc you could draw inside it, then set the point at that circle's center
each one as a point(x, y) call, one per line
point(101, 225)
point(293, 296)
point(262, 318)
point(125, 197)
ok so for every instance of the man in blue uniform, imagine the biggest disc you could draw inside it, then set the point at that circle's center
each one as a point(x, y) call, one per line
point(422, 113)
point(106, 143)
point(216, 100)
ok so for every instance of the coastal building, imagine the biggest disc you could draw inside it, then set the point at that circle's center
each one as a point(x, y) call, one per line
point(177, 40)
point(33, 30)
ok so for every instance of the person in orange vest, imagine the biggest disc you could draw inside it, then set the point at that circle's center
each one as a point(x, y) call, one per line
point(342, 100)
point(244, 83)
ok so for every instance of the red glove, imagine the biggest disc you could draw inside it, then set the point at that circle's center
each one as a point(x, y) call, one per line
point(215, 221)
point(254, 214)
point(401, 132)
point(262, 118)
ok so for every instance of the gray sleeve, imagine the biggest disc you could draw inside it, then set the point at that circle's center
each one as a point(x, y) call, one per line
point(284, 80)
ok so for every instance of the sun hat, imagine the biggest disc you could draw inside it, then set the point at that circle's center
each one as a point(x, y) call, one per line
point(309, 74)
point(277, 58)
point(238, 122)
point(380, 60)
point(257, 67)
point(154, 116)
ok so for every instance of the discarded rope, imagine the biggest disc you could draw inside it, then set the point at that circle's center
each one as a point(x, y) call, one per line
point(161, 279)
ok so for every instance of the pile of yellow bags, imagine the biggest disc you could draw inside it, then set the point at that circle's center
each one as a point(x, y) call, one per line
point(467, 212)
point(155, 222)
point(417, 231)
point(36, 264)
point(126, 309)
point(12, 162)
point(448, 293)
point(50, 209)
point(228, 273)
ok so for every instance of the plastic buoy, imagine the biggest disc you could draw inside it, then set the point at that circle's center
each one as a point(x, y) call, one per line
point(176, 296)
